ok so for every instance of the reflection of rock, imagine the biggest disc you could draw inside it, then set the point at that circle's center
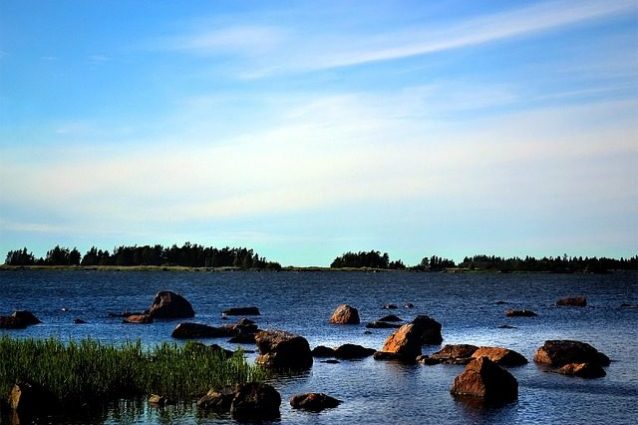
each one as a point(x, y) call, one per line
point(283, 350)
point(345, 315)
point(314, 402)
point(169, 305)
point(520, 313)
point(583, 370)
point(455, 353)
point(501, 356)
point(557, 353)
point(579, 301)
point(485, 380)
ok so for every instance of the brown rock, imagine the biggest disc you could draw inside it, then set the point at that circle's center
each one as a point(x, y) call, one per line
point(500, 356)
point(520, 313)
point(283, 350)
point(429, 329)
point(255, 401)
point(345, 315)
point(579, 301)
point(557, 353)
point(487, 381)
point(353, 351)
point(169, 305)
point(217, 400)
point(141, 319)
point(405, 342)
point(455, 353)
point(583, 370)
point(313, 402)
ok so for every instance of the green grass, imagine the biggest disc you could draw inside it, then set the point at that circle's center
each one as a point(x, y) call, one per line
point(88, 371)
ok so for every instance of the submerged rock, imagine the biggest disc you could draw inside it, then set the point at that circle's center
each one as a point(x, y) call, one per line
point(242, 311)
point(501, 356)
point(345, 315)
point(79, 321)
point(169, 305)
point(578, 301)
point(520, 313)
point(378, 324)
point(314, 402)
point(390, 318)
point(485, 380)
point(140, 319)
point(255, 401)
point(189, 330)
point(353, 351)
point(283, 350)
point(557, 353)
point(455, 353)
point(583, 370)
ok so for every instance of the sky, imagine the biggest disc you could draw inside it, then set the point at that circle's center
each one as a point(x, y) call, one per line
point(307, 129)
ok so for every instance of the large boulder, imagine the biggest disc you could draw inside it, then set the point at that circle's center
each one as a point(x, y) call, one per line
point(404, 344)
point(189, 330)
point(583, 370)
point(242, 311)
point(313, 402)
point(557, 353)
point(283, 350)
point(500, 356)
point(18, 320)
point(255, 401)
point(169, 305)
point(487, 381)
point(353, 351)
point(578, 301)
point(455, 353)
point(345, 315)
point(429, 329)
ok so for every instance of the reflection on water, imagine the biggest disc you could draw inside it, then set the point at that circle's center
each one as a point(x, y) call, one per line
point(372, 392)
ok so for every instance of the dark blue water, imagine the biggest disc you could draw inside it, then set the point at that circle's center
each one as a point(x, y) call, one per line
point(373, 392)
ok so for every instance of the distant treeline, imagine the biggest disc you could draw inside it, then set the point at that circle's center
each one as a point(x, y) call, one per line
point(559, 264)
point(188, 255)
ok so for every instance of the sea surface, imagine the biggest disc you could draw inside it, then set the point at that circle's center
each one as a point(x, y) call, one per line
point(373, 392)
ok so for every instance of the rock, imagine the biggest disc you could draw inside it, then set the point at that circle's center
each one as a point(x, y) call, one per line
point(628, 305)
point(487, 381)
point(427, 360)
point(330, 361)
point(506, 326)
point(189, 330)
point(557, 353)
point(255, 401)
point(141, 319)
point(405, 343)
point(579, 301)
point(345, 315)
point(501, 356)
point(243, 339)
point(390, 306)
point(390, 318)
point(18, 320)
point(367, 332)
point(455, 353)
point(314, 402)
point(583, 370)
point(217, 400)
point(169, 305)
point(220, 350)
point(501, 302)
point(409, 305)
point(353, 351)
point(158, 400)
point(323, 351)
point(26, 317)
point(378, 324)
point(520, 313)
point(429, 329)
point(283, 350)
point(79, 321)
point(242, 311)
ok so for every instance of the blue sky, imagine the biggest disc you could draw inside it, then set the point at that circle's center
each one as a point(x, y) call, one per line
point(306, 129)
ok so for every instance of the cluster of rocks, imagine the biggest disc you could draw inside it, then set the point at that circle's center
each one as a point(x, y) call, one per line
point(573, 358)
point(20, 319)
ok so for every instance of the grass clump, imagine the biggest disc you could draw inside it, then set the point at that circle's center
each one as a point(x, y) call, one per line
point(88, 371)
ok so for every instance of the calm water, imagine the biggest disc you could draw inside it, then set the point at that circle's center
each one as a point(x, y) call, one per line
point(373, 392)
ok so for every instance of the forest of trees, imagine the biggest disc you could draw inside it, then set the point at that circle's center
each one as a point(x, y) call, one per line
point(188, 255)
point(372, 259)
